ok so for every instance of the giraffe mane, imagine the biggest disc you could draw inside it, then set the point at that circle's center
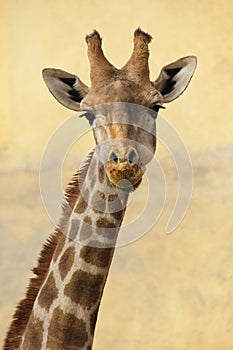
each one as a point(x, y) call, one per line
point(73, 187)
point(24, 308)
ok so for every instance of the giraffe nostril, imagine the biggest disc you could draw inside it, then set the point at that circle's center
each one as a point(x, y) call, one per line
point(132, 157)
point(114, 158)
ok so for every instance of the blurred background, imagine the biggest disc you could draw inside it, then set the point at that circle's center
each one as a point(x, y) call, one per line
point(166, 292)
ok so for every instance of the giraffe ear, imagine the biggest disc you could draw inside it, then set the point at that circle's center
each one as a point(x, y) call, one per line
point(67, 88)
point(175, 77)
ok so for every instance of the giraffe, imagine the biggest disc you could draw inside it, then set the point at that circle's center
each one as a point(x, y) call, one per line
point(62, 301)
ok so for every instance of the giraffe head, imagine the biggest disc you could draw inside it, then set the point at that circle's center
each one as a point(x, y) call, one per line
point(122, 104)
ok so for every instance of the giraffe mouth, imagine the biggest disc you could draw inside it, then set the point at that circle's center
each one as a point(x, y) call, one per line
point(124, 175)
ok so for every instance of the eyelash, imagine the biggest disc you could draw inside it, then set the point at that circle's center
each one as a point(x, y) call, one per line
point(156, 107)
point(90, 117)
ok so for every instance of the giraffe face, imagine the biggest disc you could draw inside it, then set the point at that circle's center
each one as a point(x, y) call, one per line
point(125, 138)
point(124, 127)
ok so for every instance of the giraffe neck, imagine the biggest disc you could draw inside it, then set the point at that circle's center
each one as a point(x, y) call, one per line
point(65, 311)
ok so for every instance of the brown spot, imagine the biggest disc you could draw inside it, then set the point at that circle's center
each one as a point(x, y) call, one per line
point(34, 334)
point(101, 174)
point(106, 228)
point(117, 210)
point(66, 332)
point(84, 288)
point(112, 197)
point(86, 230)
point(118, 215)
point(81, 206)
point(93, 320)
point(103, 222)
point(59, 247)
point(48, 293)
point(100, 257)
point(66, 262)
point(88, 220)
point(102, 195)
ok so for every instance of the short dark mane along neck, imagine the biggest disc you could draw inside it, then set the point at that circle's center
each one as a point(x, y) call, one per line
point(24, 308)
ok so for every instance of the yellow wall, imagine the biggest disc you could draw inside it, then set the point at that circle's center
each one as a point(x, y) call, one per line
point(164, 292)
point(4, 102)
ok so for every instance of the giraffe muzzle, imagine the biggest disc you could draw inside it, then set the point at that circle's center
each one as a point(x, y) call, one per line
point(120, 171)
